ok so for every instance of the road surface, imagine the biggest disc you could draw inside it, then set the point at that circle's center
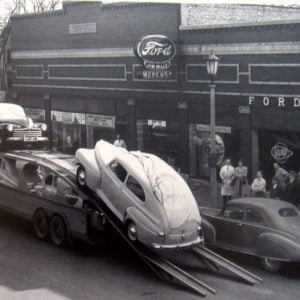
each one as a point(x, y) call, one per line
point(31, 269)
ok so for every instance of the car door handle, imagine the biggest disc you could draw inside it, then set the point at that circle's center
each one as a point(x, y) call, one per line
point(239, 224)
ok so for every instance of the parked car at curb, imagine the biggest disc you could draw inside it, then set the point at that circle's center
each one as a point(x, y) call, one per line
point(267, 228)
point(19, 131)
point(152, 200)
point(41, 186)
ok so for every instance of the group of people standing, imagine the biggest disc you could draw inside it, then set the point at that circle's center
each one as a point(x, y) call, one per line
point(285, 185)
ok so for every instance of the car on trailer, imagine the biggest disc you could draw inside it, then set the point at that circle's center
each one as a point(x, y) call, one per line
point(19, 131)
point(149, 197)
point(263, 227)
point(41, 186)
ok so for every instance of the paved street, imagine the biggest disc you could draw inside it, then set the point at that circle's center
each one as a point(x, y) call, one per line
point(30, 269)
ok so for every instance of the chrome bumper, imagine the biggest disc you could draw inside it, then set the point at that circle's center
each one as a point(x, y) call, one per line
point(178, 245)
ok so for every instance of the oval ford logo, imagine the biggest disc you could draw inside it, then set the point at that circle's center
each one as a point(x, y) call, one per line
point(156, 49)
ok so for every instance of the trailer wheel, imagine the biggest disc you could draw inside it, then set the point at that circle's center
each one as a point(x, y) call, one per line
point(41, 224)
point(58, 231)
point(271, 265)
point(81, 176)
point(132, 231)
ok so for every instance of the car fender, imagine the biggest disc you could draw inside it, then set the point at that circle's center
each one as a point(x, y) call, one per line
point(209, 231)
point(146, 229)
point(86, 158)
point(274, 245)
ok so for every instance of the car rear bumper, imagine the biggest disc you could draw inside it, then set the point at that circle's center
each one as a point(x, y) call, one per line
point(177, 245)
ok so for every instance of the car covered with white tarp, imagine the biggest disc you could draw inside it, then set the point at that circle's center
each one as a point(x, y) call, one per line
point(152, 200)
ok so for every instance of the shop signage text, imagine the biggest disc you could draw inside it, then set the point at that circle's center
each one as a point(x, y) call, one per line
point(220, 129)
point(267, 101)
point(82, 28)
point(156, 52)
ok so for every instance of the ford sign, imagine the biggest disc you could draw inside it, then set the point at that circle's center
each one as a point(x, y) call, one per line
point(156, 49)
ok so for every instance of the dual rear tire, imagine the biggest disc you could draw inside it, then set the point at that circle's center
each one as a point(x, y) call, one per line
point(54, 228)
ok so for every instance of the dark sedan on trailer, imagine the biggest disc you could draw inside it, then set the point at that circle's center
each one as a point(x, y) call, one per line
point(267, 228)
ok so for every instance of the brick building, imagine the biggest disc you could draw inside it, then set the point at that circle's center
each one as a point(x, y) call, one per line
point(81, 67)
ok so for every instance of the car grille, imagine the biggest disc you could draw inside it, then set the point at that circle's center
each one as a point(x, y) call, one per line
point(27, 133)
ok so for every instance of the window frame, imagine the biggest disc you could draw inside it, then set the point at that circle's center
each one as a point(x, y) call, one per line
point(129, 176)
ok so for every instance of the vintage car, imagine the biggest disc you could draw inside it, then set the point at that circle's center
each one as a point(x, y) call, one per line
point(41, 187)
point(152, 200)
point(16, 129)
point(267, 228)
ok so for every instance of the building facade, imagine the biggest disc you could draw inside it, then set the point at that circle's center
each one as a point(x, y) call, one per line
point(95, 70)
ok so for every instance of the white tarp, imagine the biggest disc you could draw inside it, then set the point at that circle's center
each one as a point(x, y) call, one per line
point(12, 113)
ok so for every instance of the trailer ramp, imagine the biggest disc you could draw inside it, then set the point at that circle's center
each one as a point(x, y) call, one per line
point(219, 261)
point(163, 268)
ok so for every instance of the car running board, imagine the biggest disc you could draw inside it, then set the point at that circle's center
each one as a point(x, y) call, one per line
point(216, 260)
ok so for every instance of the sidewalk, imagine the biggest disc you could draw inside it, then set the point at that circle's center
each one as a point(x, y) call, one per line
point(201, 191)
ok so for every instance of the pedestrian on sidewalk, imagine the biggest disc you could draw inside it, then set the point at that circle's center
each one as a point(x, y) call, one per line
point(258, 186)
point(119, 142)
point(227, 176)
point(292, 189)
point(241, 179)
point(276, 191)
point(281, 174)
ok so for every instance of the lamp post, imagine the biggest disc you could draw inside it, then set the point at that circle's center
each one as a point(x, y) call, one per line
point(212, 63)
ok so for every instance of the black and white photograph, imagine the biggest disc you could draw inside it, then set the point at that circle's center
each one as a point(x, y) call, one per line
point(149, 149)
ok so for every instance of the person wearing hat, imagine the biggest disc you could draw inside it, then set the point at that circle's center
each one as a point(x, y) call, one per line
point(276, 191)
point(292, 189)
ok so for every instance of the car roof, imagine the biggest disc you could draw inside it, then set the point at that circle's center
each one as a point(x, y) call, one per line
point(266, 204)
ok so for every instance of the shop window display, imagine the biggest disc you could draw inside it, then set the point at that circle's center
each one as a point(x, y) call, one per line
point(227, 146)
point(161, 138)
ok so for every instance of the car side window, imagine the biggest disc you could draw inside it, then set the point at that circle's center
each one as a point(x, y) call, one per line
point(64, 190)
point(234, 213)
point(135, 188)
point(118, 170)
point(253, 216)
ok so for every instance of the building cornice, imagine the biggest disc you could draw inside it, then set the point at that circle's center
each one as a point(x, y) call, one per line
point(244, 25)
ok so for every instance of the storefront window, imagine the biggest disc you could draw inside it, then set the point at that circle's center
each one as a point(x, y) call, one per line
point(159, 137)
point(280, 147)
point(227, 146)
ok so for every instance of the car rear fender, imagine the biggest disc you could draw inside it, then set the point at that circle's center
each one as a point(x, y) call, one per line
point(86, 158)
point(209, 232)
point(147, 230)
point(274, 245)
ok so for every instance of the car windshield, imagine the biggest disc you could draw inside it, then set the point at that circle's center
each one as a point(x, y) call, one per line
point(69, 164)
point(287, 212)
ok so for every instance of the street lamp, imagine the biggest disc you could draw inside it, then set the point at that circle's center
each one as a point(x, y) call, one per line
point(212, 63)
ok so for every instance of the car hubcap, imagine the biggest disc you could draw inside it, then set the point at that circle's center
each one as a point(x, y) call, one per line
point(81, 177)
point(132, 232)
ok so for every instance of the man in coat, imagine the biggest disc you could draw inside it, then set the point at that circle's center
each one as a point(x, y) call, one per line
point(227, 176)
point(292, 189)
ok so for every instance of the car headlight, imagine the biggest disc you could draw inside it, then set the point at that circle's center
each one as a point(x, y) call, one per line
point(44, 127)
point(10, 127)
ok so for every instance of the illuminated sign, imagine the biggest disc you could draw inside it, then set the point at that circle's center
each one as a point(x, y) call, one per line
point(281, 153)
point(156, 52)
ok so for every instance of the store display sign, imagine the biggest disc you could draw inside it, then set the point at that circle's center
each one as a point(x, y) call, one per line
point(56, 115)
point(220, 129)
point(79, 118)
point(35, 114)
point(67, 118)
point(100, 120)
point(157, 123)
point(156, 52)
point(281, 153)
